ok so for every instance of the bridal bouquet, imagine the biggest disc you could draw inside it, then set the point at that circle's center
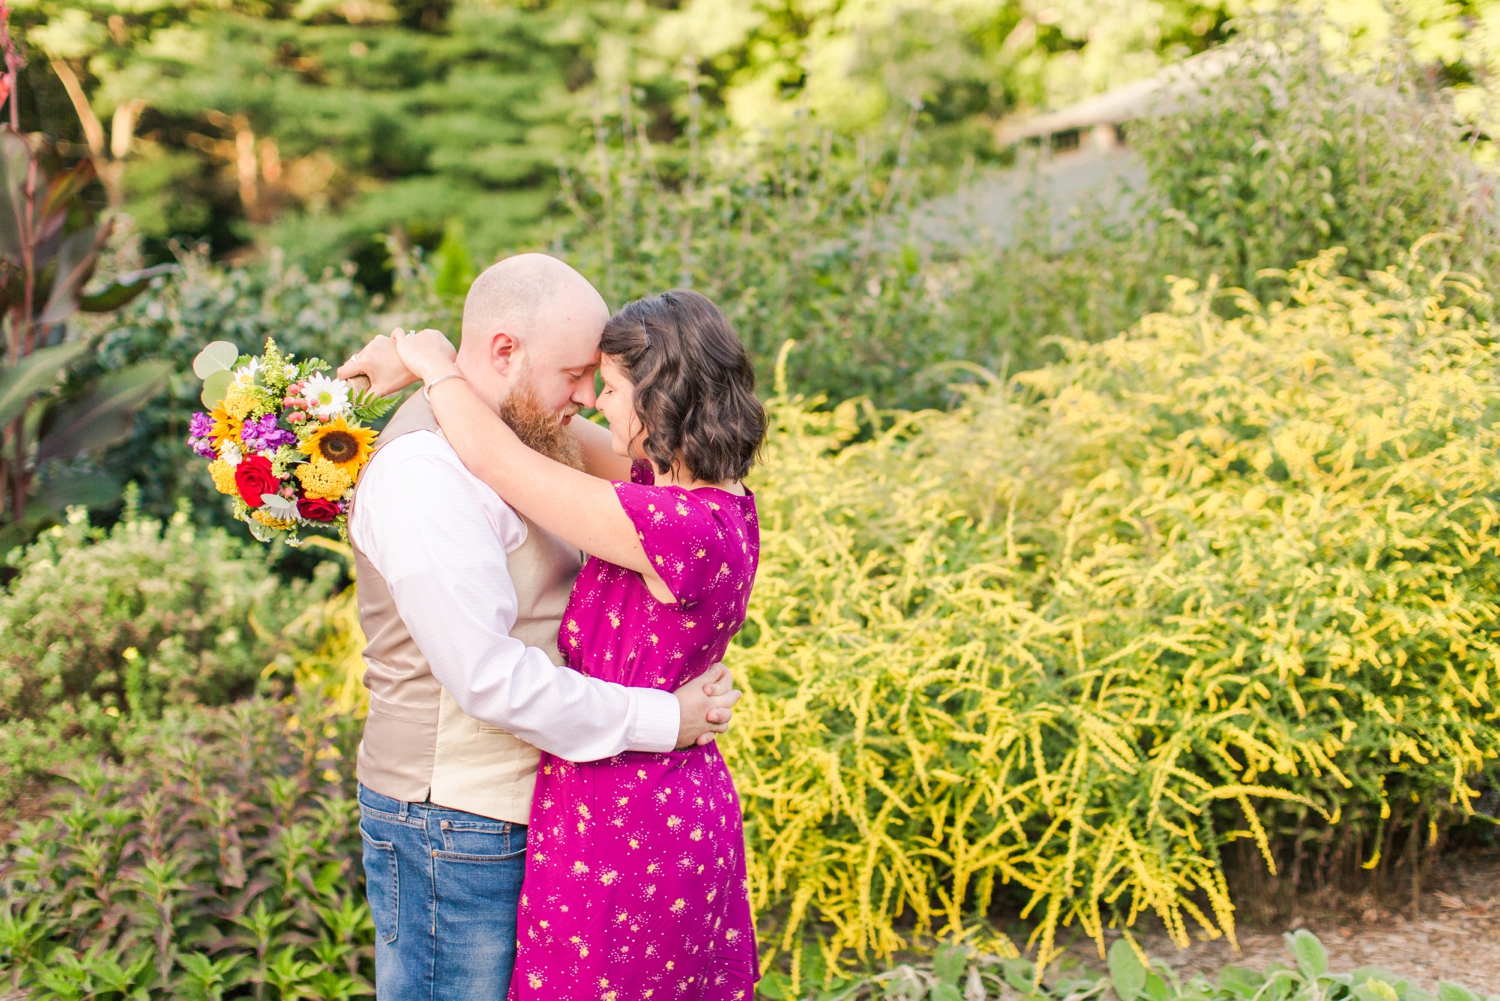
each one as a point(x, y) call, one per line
point(284, 439)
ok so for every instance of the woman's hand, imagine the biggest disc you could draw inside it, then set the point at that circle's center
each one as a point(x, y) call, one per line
point(426, 353)
point(378, 362)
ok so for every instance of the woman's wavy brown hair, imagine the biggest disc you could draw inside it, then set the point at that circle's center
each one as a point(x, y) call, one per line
point(694, 384)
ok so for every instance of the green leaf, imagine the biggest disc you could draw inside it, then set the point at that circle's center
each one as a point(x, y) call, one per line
point(1312, 958)
point(945, 992)
point(75, 263)
point(214, 388)
point(1376, 990)
point(948, 965)
point(101, 416)
point(15, 162)
point(1126, 971)
point(34, 374)
point(64, 188)
point(219, 356)
point(1240, 982)
point(1453, 992)
point(123, 289)
point(79, 489)
point(369, 407)
point(1156, 988)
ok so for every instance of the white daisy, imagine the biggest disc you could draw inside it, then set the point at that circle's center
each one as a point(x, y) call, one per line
point(280, 507)
point(328, 397)
point(245, 374)
point(229, 451)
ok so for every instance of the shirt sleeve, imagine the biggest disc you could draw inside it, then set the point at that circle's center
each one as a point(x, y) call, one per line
point(439, 537)
point(688, 544)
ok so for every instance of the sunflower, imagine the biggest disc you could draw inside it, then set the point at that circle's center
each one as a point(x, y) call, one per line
point(225, 426)
point(338, 443)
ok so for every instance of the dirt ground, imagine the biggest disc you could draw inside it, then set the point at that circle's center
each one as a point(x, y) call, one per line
point(1454, 937)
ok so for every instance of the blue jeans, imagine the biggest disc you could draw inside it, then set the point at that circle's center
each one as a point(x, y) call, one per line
point(443, 888)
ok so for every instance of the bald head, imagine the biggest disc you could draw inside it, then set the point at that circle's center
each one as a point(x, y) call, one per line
point(519, 294)
point(533, 319)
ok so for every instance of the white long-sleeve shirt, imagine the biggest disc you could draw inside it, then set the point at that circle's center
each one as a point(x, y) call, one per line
point(439, 536)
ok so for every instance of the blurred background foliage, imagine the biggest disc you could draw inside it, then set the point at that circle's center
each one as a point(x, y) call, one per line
point(1059, 486)
point(323, 126)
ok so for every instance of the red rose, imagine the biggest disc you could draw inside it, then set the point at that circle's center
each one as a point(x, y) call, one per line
point(317, 509)
point(253, 476)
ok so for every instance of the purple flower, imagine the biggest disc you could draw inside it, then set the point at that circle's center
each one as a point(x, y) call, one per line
point(204, 447)
point(201, 425)
point(262, 435)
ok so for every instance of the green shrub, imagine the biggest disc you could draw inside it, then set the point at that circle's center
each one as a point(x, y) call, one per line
point(100, 626)
point(1215, 582)
point(809, 234)
point(222, 851)
point(955, 974)
point(1292, 151)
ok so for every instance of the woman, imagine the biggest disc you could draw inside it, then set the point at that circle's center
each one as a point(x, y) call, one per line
point(635, 881)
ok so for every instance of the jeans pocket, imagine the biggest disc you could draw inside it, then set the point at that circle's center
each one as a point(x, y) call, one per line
point(480, 841)
point(382, 886)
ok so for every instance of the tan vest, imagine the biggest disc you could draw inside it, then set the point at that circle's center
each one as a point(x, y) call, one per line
point(418, 745)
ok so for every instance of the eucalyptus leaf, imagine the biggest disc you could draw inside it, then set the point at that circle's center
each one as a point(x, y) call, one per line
point(218, 356)
point(214, 388)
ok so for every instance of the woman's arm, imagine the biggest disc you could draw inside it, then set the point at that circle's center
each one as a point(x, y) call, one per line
point(576, 507)
point(599, 455)
point(378, 362)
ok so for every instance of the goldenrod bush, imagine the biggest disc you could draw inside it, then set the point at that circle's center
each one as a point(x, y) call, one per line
point(1216, 580)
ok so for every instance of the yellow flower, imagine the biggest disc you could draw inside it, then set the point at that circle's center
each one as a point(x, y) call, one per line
point(223, 474)
point(226, 426)
point(271, 521)
point(240, 402)
point(324, 480)
point(338, 443)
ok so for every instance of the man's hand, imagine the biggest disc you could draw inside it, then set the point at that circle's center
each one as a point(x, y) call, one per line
point(706, 703)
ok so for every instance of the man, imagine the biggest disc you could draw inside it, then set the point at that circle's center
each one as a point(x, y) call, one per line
point(461, 599)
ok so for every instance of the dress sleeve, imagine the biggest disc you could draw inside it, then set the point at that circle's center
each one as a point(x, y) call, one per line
point(685, 538)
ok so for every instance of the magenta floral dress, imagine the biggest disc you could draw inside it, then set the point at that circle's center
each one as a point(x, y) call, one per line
point(635, 884)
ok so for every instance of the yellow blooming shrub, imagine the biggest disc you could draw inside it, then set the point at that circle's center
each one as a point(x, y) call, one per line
point(1216, 580)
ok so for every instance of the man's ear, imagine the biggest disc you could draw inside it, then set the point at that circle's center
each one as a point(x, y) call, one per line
point(504, 352)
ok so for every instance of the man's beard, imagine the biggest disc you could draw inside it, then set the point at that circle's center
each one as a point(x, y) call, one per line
point(539, 429)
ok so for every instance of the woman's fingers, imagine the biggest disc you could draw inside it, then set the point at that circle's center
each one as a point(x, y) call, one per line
point(427, 352)
point(379, 362)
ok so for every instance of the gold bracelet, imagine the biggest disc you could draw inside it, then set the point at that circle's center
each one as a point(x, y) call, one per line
point(427, 387)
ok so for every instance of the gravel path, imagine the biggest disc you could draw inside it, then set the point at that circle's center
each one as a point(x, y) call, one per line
point(1456, 936)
